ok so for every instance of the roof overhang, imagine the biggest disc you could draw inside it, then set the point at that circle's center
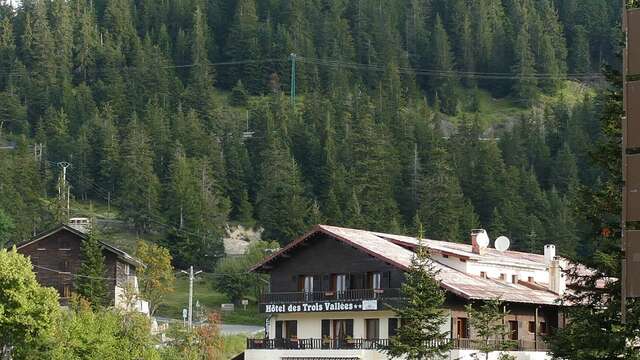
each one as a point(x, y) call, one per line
point(121, 254)
point(266, 264)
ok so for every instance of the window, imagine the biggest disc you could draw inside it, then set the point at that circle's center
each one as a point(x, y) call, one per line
point(66, 290)
point(288, 328)
point(342, 329)
point(340, 282)
point(65, 265)
point(503, 276)
point(305, 284)
point(291, 329)
point(513, 329)
point(543, 327)
point(462, 328)
point(393, 326)
point(374, 280)
point(483, 274)
point(127, 269)
point(445, 256)
point(530, 279)
point(514, 279)
point(532, 327)
point(372, 328)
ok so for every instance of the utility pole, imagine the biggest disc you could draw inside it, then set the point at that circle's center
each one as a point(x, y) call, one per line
point(191, 277)
point(61, 193)
point(292, 56)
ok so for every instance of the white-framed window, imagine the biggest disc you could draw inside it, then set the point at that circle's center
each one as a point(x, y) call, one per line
point(376, 280)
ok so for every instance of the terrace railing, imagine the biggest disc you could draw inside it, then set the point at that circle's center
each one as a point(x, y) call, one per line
point(379, 344)
point(330, 295)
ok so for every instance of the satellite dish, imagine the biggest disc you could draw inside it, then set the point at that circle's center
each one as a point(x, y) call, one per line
point(482, 238)
point(502, 243)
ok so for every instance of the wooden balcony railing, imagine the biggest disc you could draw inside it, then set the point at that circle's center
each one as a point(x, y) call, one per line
point(346, 295)
point(316, 344)
point(380, 344)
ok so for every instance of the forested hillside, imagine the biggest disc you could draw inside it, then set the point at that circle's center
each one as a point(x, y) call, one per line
point(180, 113)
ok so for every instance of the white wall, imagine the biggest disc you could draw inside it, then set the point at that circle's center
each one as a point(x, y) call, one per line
point(375, 355)
point(310, 324)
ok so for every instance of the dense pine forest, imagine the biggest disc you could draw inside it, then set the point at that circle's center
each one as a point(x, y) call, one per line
point(182, 114)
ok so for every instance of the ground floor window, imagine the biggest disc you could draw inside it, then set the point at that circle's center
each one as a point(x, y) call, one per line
point(543, 327)
point(287, 329)
point(343, 329)
point(513, 329)
point(372, 328)
point(393, 326)
point(462, 328)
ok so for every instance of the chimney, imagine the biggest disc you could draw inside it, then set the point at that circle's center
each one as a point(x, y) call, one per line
point(479, 241)
point(549, 254)
point(556, 281)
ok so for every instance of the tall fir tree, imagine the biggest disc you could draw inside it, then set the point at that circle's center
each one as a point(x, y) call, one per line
point(91, 282)
point(421, 314)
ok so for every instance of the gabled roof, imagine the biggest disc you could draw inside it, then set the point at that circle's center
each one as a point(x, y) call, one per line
point(394, 250)
point(121, 254)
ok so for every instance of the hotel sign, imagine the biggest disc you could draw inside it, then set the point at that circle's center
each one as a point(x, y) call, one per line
point(312, 307)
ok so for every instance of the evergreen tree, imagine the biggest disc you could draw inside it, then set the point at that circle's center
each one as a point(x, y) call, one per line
point(524, 86)
point(139, 193)
point(580, 56)
point(91, 282)
point(595, 329)
point(421, 314)
point(282, 207)
point(444, 84)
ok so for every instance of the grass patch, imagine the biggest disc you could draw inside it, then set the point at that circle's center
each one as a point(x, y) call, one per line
point(234, 345)
point(209, 300)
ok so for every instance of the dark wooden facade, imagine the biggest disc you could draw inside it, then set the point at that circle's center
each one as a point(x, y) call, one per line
point(56, 258)
point(324, 256)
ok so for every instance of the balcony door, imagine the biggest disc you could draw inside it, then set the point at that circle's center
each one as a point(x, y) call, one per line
point(339, 284)
point(342, 331)
point(305, 285)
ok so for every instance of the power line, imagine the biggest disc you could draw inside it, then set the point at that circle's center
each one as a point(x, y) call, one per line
point(445, 73)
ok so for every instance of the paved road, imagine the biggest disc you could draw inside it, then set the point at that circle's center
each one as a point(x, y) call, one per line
point(225, 329)
point(229, 329)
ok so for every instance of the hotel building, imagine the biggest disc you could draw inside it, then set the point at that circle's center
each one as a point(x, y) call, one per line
point(331, 291)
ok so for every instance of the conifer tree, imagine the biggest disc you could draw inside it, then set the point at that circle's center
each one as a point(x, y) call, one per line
point(140, 186)
point(580, 53)
point(282, 207)
point(524, 86)
point(91, 282)
point(596, 329)
point(421, 314)
point(444, 86)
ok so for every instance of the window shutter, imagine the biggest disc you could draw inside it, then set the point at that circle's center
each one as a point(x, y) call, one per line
point(386, 280)
point(326, 282)
point(326, 328)
point(349, 327)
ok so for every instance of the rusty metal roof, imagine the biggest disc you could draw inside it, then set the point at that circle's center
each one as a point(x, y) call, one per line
point(393, 249)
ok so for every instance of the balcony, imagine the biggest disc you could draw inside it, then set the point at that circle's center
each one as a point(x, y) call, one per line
point(346, 295)
point(316, 344)
point(379, 344)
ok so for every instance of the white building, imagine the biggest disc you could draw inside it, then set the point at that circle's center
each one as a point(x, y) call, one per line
point(331, 289)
